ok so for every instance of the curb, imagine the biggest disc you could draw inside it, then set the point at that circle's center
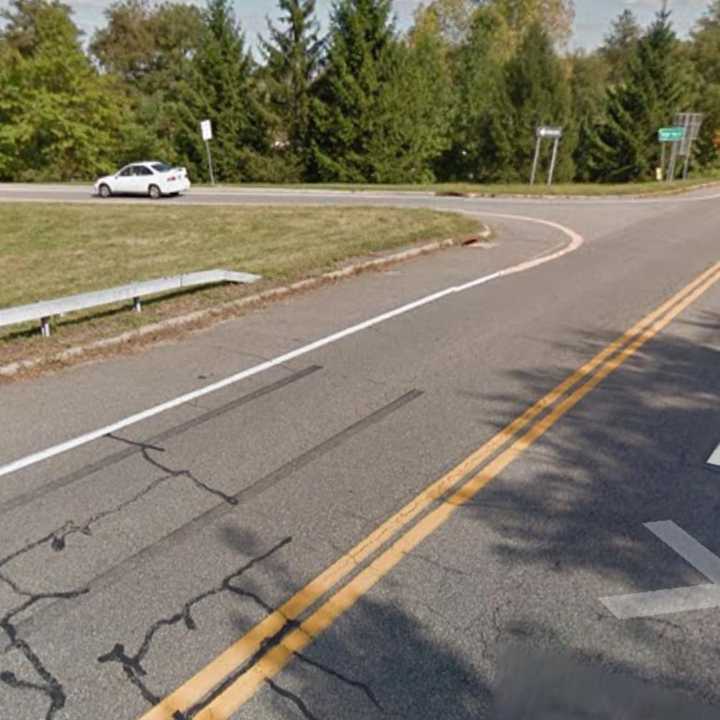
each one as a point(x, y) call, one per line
point(12, 369)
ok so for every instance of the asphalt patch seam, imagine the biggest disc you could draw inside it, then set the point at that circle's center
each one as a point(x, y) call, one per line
point(132, 665)
point(295, 699)
point(50, 686)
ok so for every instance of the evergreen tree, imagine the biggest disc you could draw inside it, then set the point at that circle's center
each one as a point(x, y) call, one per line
point(536, 92)
point(478, 95)
point(625, 147)
point(362, 57)
point(224, 94)
point(292, 56)
point(413, 112)
point(588, 84)
point(620, 44)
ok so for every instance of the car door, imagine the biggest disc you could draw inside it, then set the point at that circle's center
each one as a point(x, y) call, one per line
point(124, 180)
point(142, 179)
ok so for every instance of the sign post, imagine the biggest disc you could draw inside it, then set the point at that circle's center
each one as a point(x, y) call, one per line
point(538, 142)
point(206, 131)
point(672, 135)
point(546, 133)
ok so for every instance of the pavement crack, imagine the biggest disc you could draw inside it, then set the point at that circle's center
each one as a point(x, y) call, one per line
point(132, 665)
point(293, 698)
point(172, 473)
point(49, 685)
point(57, 538)
point(364, 687)
point(136, 443)
point(436, 563)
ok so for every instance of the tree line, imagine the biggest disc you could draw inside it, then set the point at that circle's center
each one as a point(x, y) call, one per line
point(456, 97)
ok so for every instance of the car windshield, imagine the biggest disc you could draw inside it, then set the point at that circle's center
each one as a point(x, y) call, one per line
point(161, 167)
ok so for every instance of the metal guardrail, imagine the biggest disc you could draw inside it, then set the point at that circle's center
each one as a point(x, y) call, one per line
point(47, 309)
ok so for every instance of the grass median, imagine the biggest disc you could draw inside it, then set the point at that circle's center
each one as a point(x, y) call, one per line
point(48, 251)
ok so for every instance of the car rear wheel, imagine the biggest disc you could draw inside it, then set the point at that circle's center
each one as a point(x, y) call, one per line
point(105, 191)
point(154, 192)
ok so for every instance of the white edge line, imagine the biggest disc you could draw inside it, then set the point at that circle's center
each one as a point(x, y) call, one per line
point(576, 241)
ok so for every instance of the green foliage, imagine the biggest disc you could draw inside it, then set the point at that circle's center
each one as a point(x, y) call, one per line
point(654, 88)
point(149, 49)
point(478, 95)
point(588, 84)
point(292, 56)
point(58, 118)
point(705, 55)
point(457, 97)
point(414, 110)
point(361, 65)
point(620, 45)
point(536, 92)
point(223, 92)
point(554, 16)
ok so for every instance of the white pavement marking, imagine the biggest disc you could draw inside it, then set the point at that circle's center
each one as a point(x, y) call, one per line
point(714, 459)
point(575, 243)
point(684, 599)
point(664, 602)
point(687, 547)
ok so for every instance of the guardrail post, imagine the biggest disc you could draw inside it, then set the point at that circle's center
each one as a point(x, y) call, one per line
point(137, 305)
point(45, 326)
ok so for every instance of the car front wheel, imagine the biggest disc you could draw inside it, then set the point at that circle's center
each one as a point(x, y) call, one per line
point(154, 192)
point(105, 191)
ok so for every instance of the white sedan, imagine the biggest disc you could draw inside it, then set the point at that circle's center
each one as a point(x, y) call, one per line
point(152, 178)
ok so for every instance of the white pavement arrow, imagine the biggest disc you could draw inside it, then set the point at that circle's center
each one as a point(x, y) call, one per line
point(664, 602)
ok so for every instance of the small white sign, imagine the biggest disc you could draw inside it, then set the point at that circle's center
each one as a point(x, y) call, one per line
point(206, 130)
point(549, 132)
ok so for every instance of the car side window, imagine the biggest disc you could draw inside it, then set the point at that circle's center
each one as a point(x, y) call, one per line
point(142, 170)
point(127, 172)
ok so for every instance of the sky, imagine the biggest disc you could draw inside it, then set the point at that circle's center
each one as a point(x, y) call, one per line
point(593, 17)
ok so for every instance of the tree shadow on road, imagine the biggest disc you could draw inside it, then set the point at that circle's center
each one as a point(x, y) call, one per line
point(573, 507)
point(631, 452)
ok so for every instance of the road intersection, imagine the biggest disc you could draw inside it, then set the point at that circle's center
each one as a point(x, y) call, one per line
point(371, 526)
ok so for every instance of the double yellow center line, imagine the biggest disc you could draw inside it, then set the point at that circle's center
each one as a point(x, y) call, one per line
point(201, 690)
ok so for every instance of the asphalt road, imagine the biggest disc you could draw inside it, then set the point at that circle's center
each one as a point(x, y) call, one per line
point(272, 549)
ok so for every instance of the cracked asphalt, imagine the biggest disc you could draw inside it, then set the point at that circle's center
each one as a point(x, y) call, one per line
point(129, 565)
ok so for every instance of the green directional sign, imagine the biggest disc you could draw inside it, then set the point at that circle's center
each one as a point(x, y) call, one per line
point(671, 134)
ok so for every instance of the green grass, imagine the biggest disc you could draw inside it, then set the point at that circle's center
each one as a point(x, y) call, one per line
point(48, 251)
point(53, 250)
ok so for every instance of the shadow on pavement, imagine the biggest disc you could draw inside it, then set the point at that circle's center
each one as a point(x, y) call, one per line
point(631, 452)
